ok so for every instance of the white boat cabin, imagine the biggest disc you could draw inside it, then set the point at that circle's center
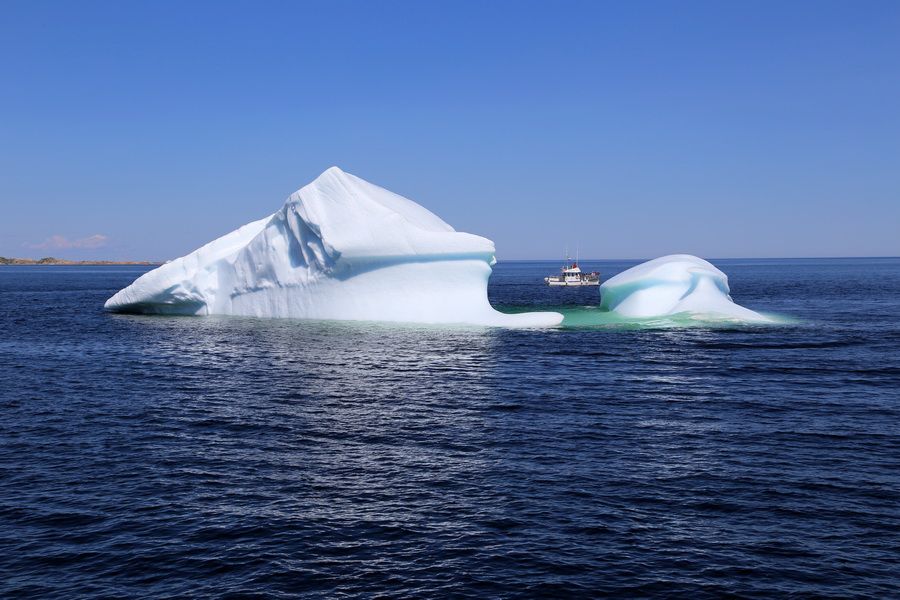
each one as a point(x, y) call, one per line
point(572, 275)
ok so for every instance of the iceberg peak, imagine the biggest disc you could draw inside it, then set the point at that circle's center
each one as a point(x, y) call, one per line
point(339, 248)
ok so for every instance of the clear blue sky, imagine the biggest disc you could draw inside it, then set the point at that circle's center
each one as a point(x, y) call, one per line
point(141, 130)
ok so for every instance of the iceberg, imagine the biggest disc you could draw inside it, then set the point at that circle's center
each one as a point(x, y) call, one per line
point(340, 248)
point(675, 284)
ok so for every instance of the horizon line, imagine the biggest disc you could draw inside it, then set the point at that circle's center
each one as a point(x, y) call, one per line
point(710, 258)
point(137, 262)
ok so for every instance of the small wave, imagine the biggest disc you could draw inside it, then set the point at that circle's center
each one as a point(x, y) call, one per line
point(779, 345)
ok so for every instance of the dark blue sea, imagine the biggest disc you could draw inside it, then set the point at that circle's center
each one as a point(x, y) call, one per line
point(179, 457)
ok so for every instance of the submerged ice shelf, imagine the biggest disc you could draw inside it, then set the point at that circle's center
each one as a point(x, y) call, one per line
point(678, 284)
point(339, 248)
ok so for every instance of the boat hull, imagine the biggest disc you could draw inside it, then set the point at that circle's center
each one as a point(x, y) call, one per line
point(572, 283)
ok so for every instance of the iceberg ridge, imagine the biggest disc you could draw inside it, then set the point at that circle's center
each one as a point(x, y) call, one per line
point(340, 248)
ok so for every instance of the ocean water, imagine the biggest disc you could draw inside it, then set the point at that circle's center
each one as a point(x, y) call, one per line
point(208, 456)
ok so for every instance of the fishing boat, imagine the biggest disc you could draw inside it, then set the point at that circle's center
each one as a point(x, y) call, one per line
point(571, 274)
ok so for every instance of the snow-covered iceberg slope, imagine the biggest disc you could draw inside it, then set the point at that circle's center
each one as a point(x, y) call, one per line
point(339, 248)
point(675, 284)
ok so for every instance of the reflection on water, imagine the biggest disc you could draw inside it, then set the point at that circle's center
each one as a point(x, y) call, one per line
point(362, 404)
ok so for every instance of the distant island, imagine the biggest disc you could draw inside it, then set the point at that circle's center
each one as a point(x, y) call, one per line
point(49, 260)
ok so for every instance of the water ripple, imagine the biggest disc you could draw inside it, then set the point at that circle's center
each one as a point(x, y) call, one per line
point(180, 457)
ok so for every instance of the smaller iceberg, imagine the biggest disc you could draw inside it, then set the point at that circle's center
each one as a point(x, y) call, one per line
point(670, 285)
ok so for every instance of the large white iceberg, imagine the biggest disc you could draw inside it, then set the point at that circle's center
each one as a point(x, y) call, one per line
point(339, 248)
point(675, 284)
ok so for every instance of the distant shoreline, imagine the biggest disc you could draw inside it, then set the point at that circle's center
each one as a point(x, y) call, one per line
point(63, 262)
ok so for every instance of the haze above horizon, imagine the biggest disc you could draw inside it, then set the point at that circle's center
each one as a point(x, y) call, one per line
point(140, 131)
